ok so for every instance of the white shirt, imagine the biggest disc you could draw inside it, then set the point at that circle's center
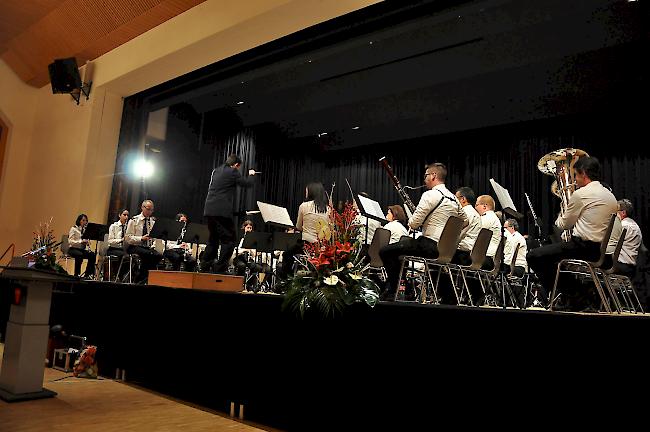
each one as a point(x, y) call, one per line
point(433, 221)
point(310, 221)
point(515, 241)
point(490, 221)
point(372, 226)
point(74, 238)
point(115, 234)
point(134, 230)
point(588, 212)
point(632, 243)
point(470, 232)
point(397, 230)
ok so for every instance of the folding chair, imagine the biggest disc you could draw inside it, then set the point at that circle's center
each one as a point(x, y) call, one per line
point(621, 283)
point(589, 269)
point(478, 254)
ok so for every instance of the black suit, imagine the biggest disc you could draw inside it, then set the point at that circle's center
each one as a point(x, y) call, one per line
point(219, 210)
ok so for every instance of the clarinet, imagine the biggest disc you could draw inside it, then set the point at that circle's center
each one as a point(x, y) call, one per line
point(410, 207)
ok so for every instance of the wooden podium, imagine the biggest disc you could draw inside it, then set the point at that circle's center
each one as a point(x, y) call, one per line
point(192, 280)
point(21, 376)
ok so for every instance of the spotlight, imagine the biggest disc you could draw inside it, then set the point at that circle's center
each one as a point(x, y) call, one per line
point(143, 168)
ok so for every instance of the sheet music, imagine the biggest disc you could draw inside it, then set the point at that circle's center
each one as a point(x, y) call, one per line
point(503, 196)
point(275, 214)
point(371, 207)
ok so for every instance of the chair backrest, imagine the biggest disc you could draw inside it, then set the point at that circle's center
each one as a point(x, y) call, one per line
point(498, 256)
point(379, 240)
point(617, 251)
point(449, 239)
point(65, 244)
point(102, 248)
point(605, 242)
point(479, 251)
point(513, 261)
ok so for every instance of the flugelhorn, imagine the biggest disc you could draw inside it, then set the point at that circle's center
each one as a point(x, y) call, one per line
point(559, 164)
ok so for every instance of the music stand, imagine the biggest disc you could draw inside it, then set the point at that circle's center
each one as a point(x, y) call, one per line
point(166, 229)
point(95, 231)
point(275, 215)
point(368, 208)
point(196, 233)
point(505, 201)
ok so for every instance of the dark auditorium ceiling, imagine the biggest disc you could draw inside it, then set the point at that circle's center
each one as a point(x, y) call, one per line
point(479, 64)
point(35, 32)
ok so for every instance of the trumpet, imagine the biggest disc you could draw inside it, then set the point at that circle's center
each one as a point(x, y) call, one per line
point(559, 164)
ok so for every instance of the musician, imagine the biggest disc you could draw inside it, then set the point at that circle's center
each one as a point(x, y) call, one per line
point(178, 251)
point(116, 233)
point(633, 239)
point(79, 248)
point(397, 223)
point(436, 205)
point(240, 255)
point(467, 198)
point(514, 242)
point(587, 213)
point(219, 211)
point(485, 207)
point(138, 240)
point(313, 214)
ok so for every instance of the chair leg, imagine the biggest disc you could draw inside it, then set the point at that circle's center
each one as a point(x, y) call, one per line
point(601, 291)
point(552, 299)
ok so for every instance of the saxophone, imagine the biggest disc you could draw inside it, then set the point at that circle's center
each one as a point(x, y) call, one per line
point(408, 203)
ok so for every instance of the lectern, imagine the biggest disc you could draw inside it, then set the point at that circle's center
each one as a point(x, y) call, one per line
point(21, 376)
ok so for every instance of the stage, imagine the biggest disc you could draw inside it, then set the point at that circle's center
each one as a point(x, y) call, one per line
point(368, 365)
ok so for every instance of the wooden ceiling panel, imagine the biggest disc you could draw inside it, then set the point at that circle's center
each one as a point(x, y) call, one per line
point(85, 29)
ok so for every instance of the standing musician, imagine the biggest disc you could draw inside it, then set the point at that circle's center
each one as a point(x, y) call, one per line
point(219, 211)
point(79, 248)
point(178, 251)
point(138, 240)
point(436, 205)
point(587, 213)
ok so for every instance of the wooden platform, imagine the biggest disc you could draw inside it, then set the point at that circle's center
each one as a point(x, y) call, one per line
point(202, 281)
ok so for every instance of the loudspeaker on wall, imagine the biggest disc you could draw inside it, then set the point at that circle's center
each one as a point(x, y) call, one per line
point(64, 75)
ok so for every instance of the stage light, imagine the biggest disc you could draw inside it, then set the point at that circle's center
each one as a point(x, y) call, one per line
point(240, 103)
point(143, 168)
point(355, 128)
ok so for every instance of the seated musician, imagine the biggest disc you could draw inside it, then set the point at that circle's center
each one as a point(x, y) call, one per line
point(587, 214)
point(485, 207)
point(312, 215)
point(116, 234)
point(626, 264)
point(177, 251)
point(138, 240)
point(397, 223)
point(241, 256)
point(514, 242)
point(79, 248)
point(436, 205)
point(467, 198)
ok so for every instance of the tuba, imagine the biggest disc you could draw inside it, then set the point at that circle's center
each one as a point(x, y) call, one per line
point(559, 164)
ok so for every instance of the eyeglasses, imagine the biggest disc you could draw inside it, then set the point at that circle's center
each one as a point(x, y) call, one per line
point(428, 174)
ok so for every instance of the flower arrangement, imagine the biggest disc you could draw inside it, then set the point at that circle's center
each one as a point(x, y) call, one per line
point(330, 276)
point(43, 253)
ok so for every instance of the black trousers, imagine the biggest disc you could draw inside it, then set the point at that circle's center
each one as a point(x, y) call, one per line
point(177, 256)
point(222, 232)
point(422, 247)
point(543, 260)
point(79, 255)
point(149, 259)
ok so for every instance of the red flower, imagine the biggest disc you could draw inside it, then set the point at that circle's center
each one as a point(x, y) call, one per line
point(322, 260)
point(345, 248)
